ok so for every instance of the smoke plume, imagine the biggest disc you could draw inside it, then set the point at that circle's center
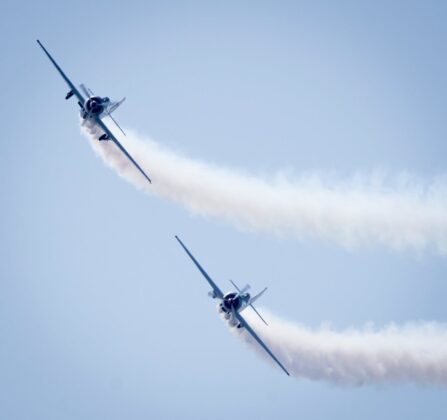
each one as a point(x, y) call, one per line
point(414, 353)
point(400, 214)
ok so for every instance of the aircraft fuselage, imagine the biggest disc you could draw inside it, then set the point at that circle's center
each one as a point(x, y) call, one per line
point(94, 107)
point(233, 301)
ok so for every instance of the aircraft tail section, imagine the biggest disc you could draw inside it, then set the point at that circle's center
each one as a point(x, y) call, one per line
point(253, 299)
point(112, 107)
point(115, 105)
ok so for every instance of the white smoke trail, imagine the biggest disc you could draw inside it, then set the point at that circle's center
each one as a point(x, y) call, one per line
point(405, 215)
point(414, 353)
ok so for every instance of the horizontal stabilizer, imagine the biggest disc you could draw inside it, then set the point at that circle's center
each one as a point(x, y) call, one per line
point(113, 119)
point(115, 105)
point(257, 313)
point(255, 298)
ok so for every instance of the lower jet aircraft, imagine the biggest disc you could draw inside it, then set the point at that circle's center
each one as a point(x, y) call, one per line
point(94, 108)
point(233, 303)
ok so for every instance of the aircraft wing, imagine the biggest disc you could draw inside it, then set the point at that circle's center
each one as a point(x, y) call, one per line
point(64, 76)
point(120, 146)
point(255, 336)
point(216, 289)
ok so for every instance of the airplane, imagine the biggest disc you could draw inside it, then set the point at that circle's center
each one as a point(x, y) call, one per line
point(233, 303)
point(94, 108)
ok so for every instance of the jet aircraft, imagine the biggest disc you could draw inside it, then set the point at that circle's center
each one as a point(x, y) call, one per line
point(233, 303)
point(94, 108)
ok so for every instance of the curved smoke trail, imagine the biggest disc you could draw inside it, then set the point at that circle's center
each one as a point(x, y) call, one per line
point(407, 215)
point(414, 353)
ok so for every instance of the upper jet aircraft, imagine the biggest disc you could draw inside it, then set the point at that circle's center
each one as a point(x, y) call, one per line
point(233, 303)
point(94, 108)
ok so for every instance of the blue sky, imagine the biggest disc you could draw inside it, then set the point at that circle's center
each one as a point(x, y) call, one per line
point(101, 314)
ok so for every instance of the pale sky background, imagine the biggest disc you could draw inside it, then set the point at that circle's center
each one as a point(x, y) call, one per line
point(101, 313)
